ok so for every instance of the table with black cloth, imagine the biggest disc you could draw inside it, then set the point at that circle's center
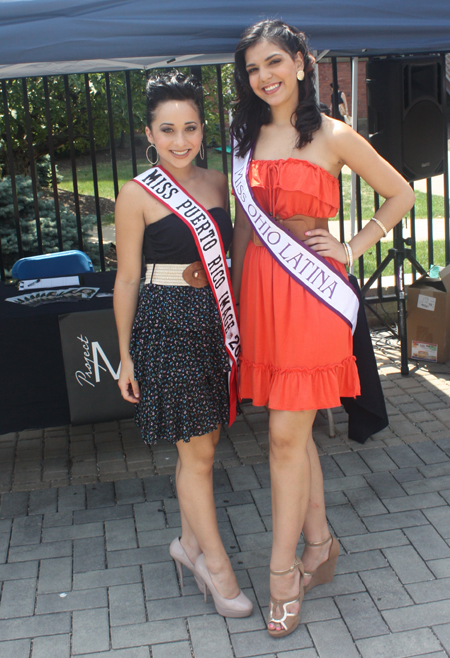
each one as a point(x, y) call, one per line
point(33, 388)
point(33, 382)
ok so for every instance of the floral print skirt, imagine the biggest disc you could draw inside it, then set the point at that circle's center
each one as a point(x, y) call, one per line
point(180, 362)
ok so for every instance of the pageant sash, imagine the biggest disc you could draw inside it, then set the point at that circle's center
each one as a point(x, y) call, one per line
point(303, 264)
point(160, 184)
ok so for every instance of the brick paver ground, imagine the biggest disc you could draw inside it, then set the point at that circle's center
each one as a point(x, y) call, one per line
point(85, 570)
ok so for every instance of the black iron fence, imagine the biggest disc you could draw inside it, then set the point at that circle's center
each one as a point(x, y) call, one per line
point(64, 116)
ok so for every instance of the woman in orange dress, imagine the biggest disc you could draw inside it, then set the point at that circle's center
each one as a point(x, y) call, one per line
point(296, 352)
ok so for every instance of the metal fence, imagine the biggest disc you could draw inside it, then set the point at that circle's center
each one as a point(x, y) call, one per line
point(15, 208)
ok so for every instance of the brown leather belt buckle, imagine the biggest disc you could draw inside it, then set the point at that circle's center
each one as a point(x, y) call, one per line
point(195, 275)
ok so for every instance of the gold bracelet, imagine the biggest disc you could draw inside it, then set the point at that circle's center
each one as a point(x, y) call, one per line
point(380, 224)
point(349, 253)
point(344, 244)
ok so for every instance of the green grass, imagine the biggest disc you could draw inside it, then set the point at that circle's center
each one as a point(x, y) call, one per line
point(367, 201)
point(108, 219)
point(105, 175)
point(370, 260)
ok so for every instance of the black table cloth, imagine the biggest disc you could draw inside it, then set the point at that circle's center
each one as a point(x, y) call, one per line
point(366, 413)
point(33, 391)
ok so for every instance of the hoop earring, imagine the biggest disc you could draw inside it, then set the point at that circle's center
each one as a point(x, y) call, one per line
point(202, 151)
point(151, 162)
point(300, 75)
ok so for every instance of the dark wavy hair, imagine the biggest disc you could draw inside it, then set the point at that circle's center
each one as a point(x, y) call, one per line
point(251, 112)
point(173, 86)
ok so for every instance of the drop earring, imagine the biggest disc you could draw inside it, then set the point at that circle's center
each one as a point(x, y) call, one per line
point(155, 162)
point(202, 151)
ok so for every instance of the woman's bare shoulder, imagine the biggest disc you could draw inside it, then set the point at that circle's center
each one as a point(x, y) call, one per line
point(129, 195)
point(339, 138)
point(130, 192)
point(134, 199)
point(128, 188)
point(331, 128)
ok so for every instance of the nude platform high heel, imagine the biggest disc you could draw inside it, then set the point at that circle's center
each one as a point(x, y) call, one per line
point(240, 606)
point(180, 557)
point(289, 620)
point(325, 571)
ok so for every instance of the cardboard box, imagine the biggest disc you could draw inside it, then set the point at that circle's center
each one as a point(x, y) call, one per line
point(428, 323)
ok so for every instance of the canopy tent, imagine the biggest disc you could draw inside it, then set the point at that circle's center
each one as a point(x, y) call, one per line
point(40, 37)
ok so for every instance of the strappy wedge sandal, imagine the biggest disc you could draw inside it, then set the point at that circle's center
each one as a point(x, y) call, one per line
point(325, 571)
point(289, 620)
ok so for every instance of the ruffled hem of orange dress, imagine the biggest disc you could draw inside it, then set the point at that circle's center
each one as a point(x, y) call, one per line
point(298, 389)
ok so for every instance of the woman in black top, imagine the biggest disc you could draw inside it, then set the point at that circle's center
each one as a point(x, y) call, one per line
point(174, 364)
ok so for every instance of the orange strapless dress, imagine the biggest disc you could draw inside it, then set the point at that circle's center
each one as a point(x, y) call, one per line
point(296, 353)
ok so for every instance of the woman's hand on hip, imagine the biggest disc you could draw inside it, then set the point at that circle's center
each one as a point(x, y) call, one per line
point(321, 241)
point(129, 387)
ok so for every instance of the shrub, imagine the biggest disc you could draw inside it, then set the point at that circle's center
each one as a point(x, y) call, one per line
point(44, 172)
point(48, 223)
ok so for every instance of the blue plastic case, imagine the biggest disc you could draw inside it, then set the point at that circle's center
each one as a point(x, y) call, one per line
point(63, 263)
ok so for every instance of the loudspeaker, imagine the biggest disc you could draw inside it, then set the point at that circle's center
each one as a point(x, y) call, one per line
point(406, 120)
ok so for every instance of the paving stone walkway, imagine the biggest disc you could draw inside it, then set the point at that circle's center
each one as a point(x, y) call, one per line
point(85, 570)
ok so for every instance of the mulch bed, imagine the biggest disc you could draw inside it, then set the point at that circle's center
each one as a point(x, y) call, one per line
point(87, 203)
